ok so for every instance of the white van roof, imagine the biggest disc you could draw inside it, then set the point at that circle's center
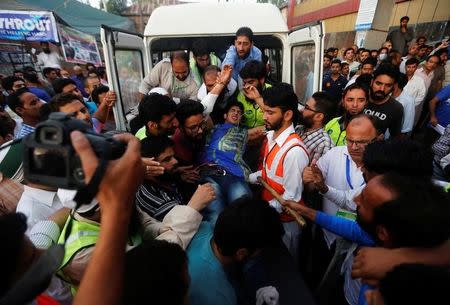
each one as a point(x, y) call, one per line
point(214, 19)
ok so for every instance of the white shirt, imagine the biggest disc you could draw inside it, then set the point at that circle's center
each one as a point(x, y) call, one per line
point(334, 169)
point(294, 163)
point(52, 60)
point(403, 63)
point(417, 89)
point(37, 205)
point(409, 110)
point(427, 78)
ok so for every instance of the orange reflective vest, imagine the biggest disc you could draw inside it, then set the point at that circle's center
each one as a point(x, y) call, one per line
point(273, 168)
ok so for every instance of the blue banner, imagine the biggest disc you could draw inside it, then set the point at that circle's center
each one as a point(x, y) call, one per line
point(28, 25)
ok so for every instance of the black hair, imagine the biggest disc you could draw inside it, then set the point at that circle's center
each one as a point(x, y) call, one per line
point(404, 18)
point(331, 49)
point(415, 284)
point(282, 95)
point(8, 82)
point(88, 64)
point(14, 101)
point(364, 80)
point(31, 77)
point(200, 48)
point(29, 69)
point(253, 69)
point(383, 48)
point(434, 55)
point(386, 69)
point(369, 61)
point(60, 83)
point(7, 125)
point(344, 63)
point(48, 70)
point(249, 224)
point(324, 104)
point(440, 52)
point(12, 233)
point(179, 55)
point(336, 61)
point(412, 61)
point(355, 85)
point(152, 108)
point(404, 156)
point(187, 108)
point(418, 216)
point(101, 71)
point(245, 31)
point(153, 146)
point(149, 268)
point(58, 101)
point(402, 80)
point(44, 42)
point(231, 103)
point(328, 56)
point(97, 91)
point(361, 50)
point(17, 71)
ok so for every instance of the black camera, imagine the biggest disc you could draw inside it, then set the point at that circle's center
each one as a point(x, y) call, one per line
point(49, 158)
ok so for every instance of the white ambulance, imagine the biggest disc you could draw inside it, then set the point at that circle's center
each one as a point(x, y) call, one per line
point(295, 56)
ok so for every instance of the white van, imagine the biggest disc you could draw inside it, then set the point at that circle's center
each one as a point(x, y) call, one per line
point(295, 56)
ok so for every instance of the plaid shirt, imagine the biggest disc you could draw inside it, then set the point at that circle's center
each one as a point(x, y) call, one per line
point(24, 131)
point(317, 141)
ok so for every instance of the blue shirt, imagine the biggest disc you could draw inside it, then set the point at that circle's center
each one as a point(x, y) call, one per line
point(225, 147)
point(334, 87)
point(443, 108)
point(209, 282)
point(40, 93)
point(232, 58)
point(25, 130)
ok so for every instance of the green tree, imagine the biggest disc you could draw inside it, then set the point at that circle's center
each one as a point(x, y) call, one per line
point(115, 6)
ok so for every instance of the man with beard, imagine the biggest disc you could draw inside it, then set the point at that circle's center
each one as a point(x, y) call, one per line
point(285, 157)
point(318, 110)
point(354, 100)
point(382, 105)
point(158, 195)
point(47, 58)
point(242, 52)
point(253, 77)
point(173, 75)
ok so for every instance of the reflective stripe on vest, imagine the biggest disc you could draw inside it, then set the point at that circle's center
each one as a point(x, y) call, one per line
point(273, 167)
point(337, 135)
point(253, 115)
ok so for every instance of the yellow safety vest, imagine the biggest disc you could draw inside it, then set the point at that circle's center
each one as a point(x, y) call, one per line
point(253, 115)
point(337, 135)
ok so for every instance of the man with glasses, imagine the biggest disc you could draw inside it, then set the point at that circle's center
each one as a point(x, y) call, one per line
point(174, 75)
point(340, 170)
point(318, 110)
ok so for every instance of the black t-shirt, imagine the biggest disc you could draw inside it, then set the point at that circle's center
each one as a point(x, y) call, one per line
point(389, 115)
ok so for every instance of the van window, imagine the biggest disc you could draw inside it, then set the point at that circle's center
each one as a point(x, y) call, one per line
point(303, 71)
point(130, 66)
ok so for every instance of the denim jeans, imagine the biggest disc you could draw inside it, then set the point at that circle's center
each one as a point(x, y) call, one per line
point(228, 188)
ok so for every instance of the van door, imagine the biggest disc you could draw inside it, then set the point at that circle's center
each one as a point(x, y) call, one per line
point(305, 57)
point(126, 61)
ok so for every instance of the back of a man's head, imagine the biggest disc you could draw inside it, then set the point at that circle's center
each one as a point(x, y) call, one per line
point(156, 270)
point(253, 69)
point(418, 216)
point(187, 108)
point(415, 284)
point(247, 224)
point(403, 156)
point(154, 106)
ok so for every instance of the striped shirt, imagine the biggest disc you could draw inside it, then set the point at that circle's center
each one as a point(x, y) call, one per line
point(157, 201)
point(317, 141)
point(25, 130)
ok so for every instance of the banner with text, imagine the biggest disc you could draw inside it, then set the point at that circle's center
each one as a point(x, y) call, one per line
point(79, 47)
point(28, 25)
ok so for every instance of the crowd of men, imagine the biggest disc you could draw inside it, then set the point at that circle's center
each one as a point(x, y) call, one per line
point(223, 166)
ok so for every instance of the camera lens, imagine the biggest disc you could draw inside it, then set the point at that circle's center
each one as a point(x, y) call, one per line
point(50, 135)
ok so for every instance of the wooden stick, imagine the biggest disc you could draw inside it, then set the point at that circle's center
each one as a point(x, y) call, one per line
point(299, 219)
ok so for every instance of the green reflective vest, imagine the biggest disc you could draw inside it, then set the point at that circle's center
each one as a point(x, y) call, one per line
point(213, 60)
point(337, 135)
point(253, 115)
